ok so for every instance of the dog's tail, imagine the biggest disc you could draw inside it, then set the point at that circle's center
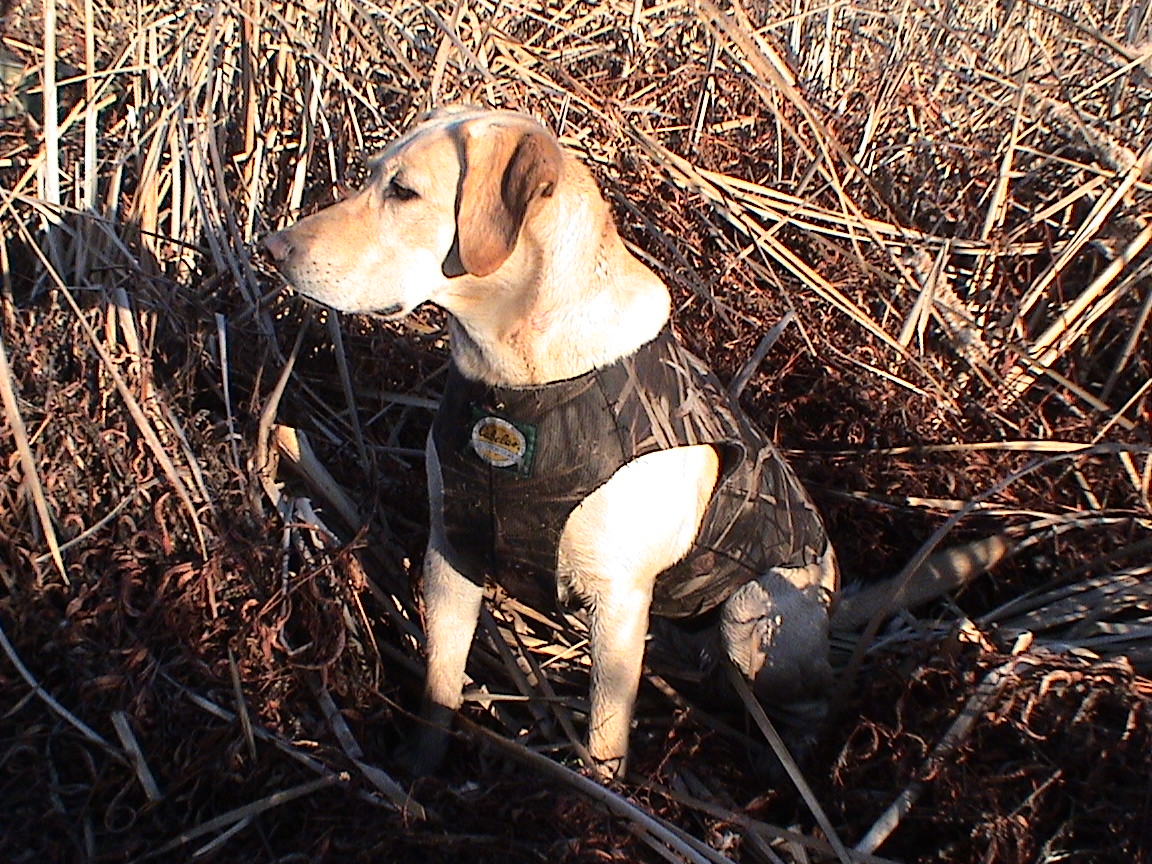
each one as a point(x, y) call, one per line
point(943, 572)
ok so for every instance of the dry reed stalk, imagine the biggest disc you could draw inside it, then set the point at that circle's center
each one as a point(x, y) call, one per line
point(988, 690)
point(31, 473)
point(1077, 316)
point(756, 710)
point(240, 817)
point(131, 745)
point(144, 425)
point(53, 704)
point(650, 828)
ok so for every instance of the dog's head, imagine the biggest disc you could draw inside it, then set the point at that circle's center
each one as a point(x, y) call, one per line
point(446, 202)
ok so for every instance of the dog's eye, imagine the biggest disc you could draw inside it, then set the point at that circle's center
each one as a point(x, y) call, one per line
point(397, 190)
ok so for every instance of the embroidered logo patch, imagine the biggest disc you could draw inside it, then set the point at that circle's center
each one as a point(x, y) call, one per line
point(503, 444)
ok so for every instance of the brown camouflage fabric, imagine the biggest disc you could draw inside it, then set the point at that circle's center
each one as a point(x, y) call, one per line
point(504, 523)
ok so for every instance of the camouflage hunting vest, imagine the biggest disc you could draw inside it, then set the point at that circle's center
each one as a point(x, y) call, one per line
point(517, 461)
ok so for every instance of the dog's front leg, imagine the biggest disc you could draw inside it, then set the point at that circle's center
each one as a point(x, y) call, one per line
point(618, 630)
point(614, 545)
point(451, 609)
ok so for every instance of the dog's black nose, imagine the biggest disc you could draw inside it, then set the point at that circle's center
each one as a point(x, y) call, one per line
point(278, 246)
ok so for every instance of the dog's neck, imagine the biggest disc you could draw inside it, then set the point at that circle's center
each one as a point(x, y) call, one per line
point(568, 300)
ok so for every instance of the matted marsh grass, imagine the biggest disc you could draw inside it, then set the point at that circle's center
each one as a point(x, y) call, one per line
point(210, 636)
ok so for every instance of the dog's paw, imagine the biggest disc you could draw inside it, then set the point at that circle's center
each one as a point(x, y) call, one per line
point(766, 763)
point(423, 753)
point(605, 771)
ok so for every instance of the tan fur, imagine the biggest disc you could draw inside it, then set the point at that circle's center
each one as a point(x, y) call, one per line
point(526, 163)
point(540, 288)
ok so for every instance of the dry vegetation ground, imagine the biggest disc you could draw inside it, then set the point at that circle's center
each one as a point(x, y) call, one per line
point(951, 200)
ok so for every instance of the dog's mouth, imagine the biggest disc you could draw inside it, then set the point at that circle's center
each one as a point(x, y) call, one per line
point(389, 313)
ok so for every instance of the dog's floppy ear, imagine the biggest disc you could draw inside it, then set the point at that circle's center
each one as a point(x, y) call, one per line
point(505, 168)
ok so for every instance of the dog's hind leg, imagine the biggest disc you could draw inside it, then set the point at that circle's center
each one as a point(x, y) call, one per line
point(776, 634)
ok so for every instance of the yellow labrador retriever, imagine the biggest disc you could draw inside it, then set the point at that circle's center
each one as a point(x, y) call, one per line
point(580, 454)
